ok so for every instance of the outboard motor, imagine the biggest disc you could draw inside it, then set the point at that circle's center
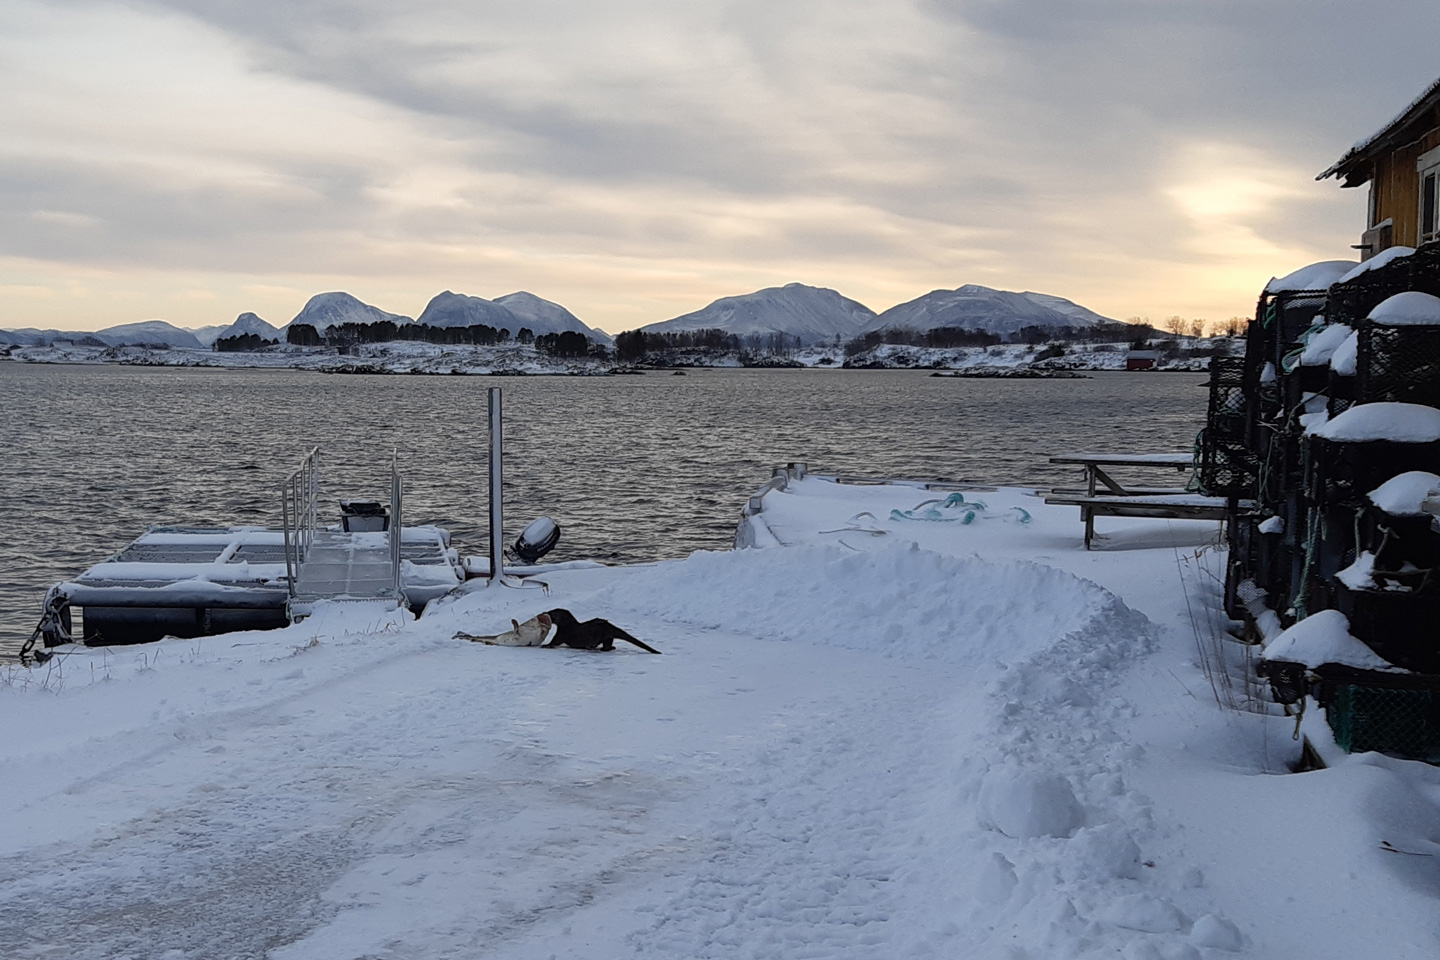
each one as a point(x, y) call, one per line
point(536, 540)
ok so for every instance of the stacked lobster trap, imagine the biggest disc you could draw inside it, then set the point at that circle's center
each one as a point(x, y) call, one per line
point(1325, 439)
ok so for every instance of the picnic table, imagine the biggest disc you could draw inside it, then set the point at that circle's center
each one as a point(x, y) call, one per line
point(1119, 500)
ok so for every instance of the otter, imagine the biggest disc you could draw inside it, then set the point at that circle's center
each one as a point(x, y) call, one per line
point(595, 634)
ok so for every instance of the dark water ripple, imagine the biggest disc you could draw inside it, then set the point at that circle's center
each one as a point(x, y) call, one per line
point(633, 468)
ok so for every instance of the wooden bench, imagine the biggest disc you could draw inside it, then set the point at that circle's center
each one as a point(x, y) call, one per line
point(1187, 506)
point(1118, 500)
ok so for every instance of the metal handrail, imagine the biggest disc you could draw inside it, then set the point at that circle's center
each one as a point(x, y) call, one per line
point(300, 512)
point(397, 491)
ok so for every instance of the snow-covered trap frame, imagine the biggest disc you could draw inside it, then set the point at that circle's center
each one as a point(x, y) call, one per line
point(1316, 538)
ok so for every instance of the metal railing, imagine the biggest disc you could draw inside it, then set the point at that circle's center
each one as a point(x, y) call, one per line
point(299, 508)
point(397, 534)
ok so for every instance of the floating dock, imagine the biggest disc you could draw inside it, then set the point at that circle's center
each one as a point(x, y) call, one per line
point(197, 581)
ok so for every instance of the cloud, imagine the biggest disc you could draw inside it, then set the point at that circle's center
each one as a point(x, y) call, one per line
point(1111, 151)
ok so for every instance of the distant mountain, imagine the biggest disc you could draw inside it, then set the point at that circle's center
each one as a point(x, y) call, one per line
point(26, 336)
point(325, 310)
point(544, 316)
point(814, 314)
point(458, 310)
point(1079, 316)
point(982, 309)
point(208, 334)
point(249, 323)
point(147, 332)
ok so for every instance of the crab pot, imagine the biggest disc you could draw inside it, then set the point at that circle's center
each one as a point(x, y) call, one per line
point(1403, 626)
point(1399, 363)
point(1393, 714)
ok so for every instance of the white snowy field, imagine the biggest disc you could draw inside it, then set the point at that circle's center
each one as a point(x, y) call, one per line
point(877, 736)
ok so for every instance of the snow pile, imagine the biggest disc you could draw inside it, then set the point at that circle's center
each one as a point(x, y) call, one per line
point(897, 599)
point(1323, 343)
point(1411, 308)
point(1315, 276)
point(1403, 495)
point(1321, 638)
point(1395, 422)
point(1025, 804)
point(1345, 361)
point(1384, 258)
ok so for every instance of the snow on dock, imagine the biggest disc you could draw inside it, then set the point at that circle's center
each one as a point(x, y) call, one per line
point(910, 724)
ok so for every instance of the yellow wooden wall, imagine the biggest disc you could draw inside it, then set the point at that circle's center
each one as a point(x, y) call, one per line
point(1397, 185)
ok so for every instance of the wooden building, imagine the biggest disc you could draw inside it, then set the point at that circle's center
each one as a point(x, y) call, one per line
point(1402, 165)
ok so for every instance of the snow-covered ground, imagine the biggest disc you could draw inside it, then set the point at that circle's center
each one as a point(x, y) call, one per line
point(882, 734)
point(404, 356)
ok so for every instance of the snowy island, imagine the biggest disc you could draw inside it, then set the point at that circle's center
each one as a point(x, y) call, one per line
point(972, 329)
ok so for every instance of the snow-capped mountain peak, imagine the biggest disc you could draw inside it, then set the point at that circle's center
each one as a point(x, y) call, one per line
point(447, 309)
point(982, 309)
point(813, 314)
point(543, 316)
point(325, 310)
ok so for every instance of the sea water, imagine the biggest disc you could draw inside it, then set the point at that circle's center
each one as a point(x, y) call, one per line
point(633, 468)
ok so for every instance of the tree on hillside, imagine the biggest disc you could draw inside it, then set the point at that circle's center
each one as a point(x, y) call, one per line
point(1195, 328)
point(1175, 325)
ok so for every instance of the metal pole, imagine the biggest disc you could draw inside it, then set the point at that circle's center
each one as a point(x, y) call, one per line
point(497, 543)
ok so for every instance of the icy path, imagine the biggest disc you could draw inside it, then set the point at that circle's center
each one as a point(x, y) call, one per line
point(862, 750)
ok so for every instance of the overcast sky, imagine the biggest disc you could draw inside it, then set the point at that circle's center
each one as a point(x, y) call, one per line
point(635, 159)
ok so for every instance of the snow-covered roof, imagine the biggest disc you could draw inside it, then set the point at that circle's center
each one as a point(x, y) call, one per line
point(1355, 166)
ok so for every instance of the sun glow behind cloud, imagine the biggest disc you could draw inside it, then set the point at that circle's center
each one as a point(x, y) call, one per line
point(633, 160)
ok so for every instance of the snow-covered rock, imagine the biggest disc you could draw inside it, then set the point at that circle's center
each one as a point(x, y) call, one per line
point(448, 309)
point(150, 331)
point(982, 309)
point(325, 310)
point(813, 314)
point(543, 316)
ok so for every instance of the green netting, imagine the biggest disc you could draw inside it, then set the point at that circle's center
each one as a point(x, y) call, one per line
point(1403, 723)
